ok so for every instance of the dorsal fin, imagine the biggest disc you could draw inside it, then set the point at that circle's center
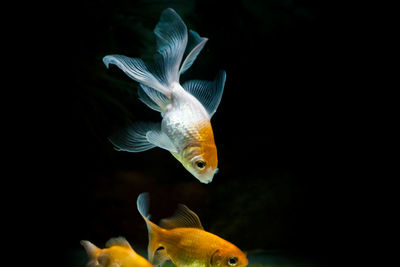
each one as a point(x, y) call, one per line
point(183, 217)
point(118, 241)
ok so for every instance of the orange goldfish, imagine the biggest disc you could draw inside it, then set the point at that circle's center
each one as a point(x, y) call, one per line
point(183, 240)
point(185, 129)
point(117, 254)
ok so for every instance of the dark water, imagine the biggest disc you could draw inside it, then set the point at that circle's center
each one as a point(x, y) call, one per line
point(276, 129)
point(256, 259)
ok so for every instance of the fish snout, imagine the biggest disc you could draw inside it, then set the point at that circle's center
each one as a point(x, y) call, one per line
point(206, 181)
point(206, 177)
point(246, 262)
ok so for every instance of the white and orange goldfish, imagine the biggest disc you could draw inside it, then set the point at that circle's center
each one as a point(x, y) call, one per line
point(118, 253)
point(185, 129)
point(183, 240)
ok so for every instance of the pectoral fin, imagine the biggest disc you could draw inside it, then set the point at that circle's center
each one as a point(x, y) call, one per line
point(133, 138)
point(140, 137)
point(160, 139)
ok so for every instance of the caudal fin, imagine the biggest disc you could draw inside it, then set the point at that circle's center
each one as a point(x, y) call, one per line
point(92, 252)
point(155, 249)
point(173, 42)
point(171, 35)
point(142, 204)
point(137, 70)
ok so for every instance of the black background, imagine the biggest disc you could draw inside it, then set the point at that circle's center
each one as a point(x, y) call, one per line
point(280, 127)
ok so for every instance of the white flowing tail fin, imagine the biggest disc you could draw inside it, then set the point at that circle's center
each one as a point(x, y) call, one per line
point(136, 69)
point(172, 39)
point(171, 35)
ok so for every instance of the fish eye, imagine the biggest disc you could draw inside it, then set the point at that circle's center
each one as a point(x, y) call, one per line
point(200, 164)
point(232, 261)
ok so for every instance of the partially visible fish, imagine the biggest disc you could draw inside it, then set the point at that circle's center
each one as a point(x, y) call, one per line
point(183, 240)
point(118, 253)
point(186, 109)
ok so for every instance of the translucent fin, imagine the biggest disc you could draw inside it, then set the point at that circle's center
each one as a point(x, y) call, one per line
point(136, 69)
point(91, 249)
point(142, 204)
point(171, 33)
point(115, 265)
point(209, 93)
point(118, 241)
point(141, 137)
point(133, 138)
point(152, 98)
point(195, 45)
point(160, 139)
point(147, 100)
point(183, 217)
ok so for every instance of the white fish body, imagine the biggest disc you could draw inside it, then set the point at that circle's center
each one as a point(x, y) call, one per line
point(185, 129)
point(183, 112)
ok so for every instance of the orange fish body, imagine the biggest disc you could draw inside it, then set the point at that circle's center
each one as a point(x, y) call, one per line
point(196, 247)
point(118, 253)
point(183, 240)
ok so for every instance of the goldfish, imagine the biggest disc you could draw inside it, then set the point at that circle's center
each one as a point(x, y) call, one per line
point(118, 253)
point(186, 110)
point(183, 240)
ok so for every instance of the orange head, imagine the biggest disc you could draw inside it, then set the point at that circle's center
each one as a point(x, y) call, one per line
point(200, 156)
point(229, 256)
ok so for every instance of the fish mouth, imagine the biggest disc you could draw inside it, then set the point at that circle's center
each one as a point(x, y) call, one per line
point(204, 178)
point(205, 181)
